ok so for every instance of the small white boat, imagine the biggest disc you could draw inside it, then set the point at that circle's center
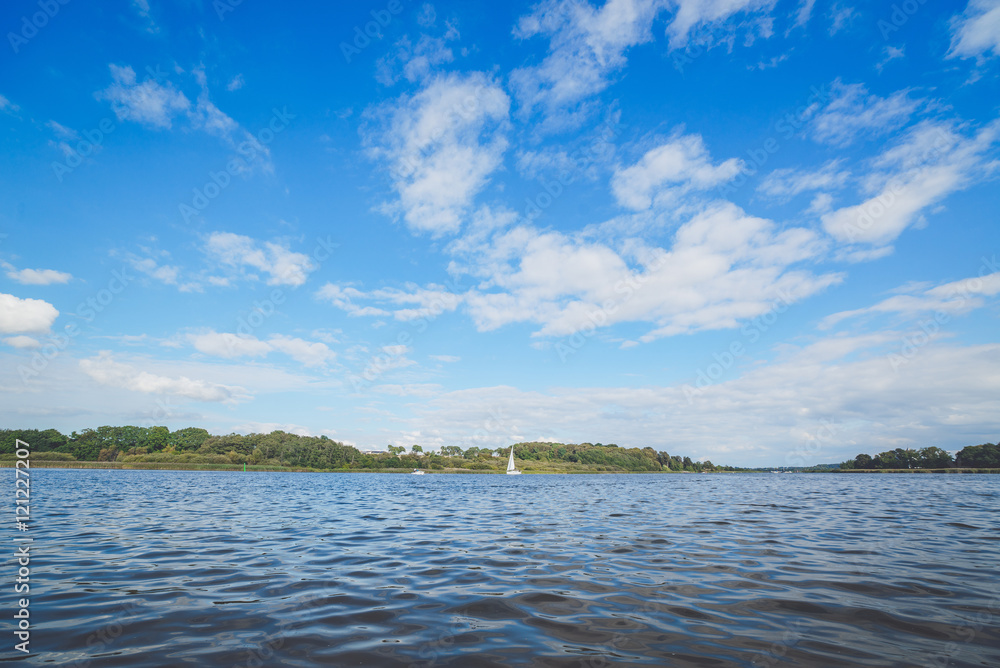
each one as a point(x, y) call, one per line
point(510, 464)
point(416, 472)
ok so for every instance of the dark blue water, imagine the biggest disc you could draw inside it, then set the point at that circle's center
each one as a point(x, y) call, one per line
point(142, 568)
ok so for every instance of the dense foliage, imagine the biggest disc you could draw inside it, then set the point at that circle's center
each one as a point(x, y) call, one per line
point(972, 456)
point(131, 444)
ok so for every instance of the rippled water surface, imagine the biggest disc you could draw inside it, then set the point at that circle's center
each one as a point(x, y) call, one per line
point(144, 568)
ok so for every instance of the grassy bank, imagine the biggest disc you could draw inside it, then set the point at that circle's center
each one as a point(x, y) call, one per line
point(949, 470)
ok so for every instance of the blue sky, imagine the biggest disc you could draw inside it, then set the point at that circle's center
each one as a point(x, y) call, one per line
point(751, 231)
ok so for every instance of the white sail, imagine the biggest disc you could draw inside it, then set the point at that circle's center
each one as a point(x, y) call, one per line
point(510, 463)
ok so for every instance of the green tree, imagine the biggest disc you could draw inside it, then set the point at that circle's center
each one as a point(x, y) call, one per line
point(934, 458)
point(986, 456)
point(864, 461)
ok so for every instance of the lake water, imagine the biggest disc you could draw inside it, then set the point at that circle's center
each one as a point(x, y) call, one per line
point(145, 568)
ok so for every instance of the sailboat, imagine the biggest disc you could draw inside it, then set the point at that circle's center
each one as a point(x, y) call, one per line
point(510, 464)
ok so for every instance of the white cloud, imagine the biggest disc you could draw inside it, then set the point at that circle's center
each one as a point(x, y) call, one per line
point(25, 315)
point(235, 83)
point(669, 170)
point(232, 346)
point(841, 17)
point(36, 276)
point(284, 266)
point(852, 113)
point(783, 184)
point(976, 31)
point(208, 117)
point(691, 13)
point(951, 298)
point(446, 358)
point(342, 298)
point(268, 427)
point(821, 403)
point(7, 105)
point(414, 62)
point(588, 45)
point(62, 131)
point(925, 165)
point(22, 342)
point(409, 390)
point(805, 12)
point(106, 371)
point(891, 53)
point(149, 103)
point(157, 104)
point(724, 267)
point(308, 353)
point(440, 146)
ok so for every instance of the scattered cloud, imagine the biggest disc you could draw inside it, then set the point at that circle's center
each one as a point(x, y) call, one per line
point(926, 164)
point(233, 346)
point(8, 106)
point(841, 17)
point(409, 390)
point(586, 46)
point(852, 113)
point(823, 402)
point(149, 103)
point(668, 171)
point(890, 53)
point(447, 359)
point(440, 146)
point(106, 371)
point(36, 276)
point(22, 342)
point(805, 12)
point(235, 83)
point(724, 266)
point(268, 427)
point(30, 316)
point(950, 298)
point(784, 184)
point(282, 265)
point(415, 62)
point(976, 32)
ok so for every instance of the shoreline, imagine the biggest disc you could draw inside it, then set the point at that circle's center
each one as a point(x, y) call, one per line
point(168, 466)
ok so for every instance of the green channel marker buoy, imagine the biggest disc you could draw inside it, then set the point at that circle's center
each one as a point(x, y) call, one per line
point(244, 467)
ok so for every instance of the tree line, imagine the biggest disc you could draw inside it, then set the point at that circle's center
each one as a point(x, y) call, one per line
point(193, 445)
point(985, 456)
